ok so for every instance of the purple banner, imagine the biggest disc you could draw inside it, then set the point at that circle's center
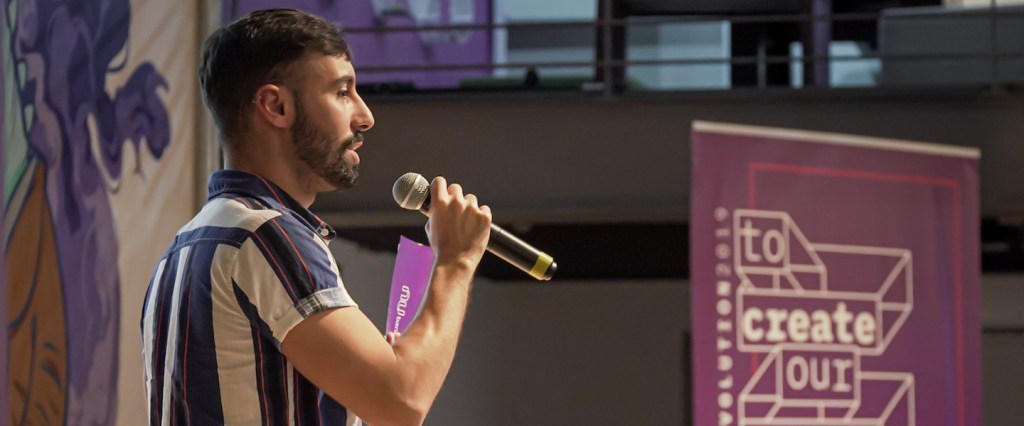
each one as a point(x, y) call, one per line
point(835, 280)
point(409, 281)
point(387, 49)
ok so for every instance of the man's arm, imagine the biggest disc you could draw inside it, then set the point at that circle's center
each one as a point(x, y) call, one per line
point(341, 351)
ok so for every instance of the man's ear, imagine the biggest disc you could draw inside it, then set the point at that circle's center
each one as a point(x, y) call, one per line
point(275, 105)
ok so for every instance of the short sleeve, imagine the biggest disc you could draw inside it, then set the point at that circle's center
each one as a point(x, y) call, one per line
point(288, 274)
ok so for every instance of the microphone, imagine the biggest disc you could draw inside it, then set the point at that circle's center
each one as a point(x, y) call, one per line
point(412, 192)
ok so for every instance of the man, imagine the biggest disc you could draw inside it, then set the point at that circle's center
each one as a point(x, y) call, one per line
point(246, 319)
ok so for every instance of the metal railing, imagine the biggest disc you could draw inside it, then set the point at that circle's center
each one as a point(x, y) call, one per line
point(606, 63)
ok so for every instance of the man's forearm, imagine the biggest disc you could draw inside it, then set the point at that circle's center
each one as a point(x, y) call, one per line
point(426, 350)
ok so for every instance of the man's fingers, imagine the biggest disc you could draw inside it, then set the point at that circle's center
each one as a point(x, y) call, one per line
point(439, 189)
point(455, 190)
point(471, 199)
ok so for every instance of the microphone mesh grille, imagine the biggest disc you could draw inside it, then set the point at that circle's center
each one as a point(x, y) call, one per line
point(410, 190)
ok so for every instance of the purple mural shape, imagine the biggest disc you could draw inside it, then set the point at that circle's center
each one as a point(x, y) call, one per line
point(373, 49)
point(77, 133)
point(835, 280)
point(409, 282)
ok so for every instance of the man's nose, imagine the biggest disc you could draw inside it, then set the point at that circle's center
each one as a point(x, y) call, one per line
point(363, 118)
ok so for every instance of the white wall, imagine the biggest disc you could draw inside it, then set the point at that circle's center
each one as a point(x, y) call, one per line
point(1003, 349)
point(671, 41)
point(982, 3)
point(679, 41)
point(545, 10)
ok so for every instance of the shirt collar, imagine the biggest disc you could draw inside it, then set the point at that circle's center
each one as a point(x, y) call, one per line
point(224, 182)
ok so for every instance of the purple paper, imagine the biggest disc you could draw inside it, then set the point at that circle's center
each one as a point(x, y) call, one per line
point(409, 281)
point(835, 280)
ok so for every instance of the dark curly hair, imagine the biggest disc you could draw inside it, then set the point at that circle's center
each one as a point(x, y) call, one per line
point(258, 49)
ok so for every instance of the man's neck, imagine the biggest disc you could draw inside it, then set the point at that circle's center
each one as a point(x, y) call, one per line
point(277, 170)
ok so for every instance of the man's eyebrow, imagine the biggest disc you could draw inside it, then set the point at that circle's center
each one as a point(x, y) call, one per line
point(342, 80)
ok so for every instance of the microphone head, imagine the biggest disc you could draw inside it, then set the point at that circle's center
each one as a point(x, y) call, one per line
point(411, 190)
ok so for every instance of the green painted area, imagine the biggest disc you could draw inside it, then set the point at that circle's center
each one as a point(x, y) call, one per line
point(15, 117)
point(12, 13)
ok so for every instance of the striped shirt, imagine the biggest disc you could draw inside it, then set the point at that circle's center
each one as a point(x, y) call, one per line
point(249, 267)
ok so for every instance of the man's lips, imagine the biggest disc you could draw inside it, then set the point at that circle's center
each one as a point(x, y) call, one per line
point(355, 142)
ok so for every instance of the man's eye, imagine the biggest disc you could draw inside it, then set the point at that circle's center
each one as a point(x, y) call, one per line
point(343, 93)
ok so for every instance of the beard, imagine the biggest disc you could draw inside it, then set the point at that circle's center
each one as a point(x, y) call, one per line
point(316, 149)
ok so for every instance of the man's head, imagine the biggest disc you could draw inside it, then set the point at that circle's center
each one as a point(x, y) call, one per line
point(287, 73)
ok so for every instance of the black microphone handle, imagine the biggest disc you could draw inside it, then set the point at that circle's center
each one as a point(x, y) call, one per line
point(511, 249)
point(538, 264)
